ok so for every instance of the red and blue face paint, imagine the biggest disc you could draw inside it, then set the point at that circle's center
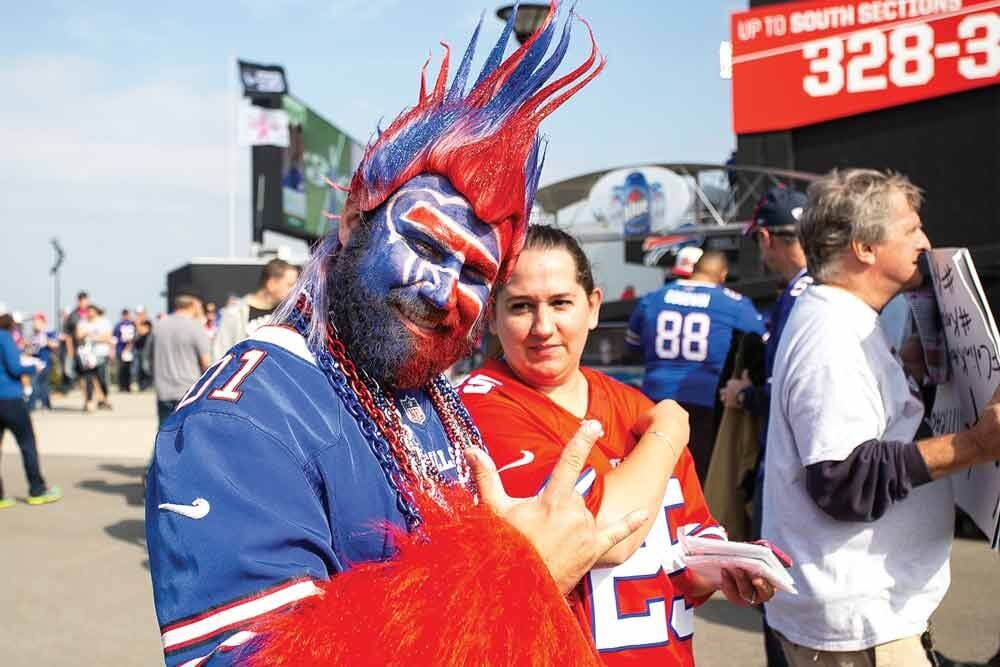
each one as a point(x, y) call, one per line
point(432, 260)
point(410, 287)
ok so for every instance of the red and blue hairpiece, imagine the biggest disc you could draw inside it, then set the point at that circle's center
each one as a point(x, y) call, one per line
point(484, 141)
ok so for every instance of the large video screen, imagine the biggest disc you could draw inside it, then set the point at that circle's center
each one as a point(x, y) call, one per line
point(317, 150)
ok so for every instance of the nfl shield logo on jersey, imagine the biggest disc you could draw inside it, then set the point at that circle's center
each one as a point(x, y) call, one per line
point(412, 410)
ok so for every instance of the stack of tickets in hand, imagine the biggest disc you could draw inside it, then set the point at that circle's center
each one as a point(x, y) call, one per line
point(707, 557)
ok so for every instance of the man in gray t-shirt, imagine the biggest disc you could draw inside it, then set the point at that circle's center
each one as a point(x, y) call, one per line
point(180, 352)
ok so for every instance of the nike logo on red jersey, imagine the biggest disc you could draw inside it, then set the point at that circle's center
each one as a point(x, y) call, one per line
point(526, 458)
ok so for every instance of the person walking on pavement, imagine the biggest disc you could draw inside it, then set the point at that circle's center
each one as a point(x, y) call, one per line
point(14, 415)
point(180, 352)
point(124, 335)
point(94, 340)
point(855, 484)
point(43, 343)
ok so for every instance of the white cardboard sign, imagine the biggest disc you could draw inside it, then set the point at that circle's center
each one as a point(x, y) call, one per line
point(973, 350)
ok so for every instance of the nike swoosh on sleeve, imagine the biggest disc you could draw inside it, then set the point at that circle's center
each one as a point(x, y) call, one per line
point(198, 509)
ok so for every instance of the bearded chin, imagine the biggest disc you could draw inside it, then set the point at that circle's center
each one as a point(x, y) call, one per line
point(375, 338)
point(430, 357)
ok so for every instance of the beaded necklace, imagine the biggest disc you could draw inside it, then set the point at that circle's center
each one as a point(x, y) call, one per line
point(403, 460)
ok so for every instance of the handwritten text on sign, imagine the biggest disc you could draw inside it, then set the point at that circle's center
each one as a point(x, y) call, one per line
point(974, 358)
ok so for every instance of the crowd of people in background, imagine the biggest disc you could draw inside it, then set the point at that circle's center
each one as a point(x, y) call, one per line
point(85, 351)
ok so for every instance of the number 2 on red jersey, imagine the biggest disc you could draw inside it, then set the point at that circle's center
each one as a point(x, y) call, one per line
point(617, 630)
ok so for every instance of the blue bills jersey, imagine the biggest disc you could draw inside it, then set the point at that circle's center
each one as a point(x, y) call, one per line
point(261, 483)
point(684, 330)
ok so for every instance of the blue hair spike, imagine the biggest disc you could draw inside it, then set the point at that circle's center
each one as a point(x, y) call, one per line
point(496, 55)
point(458, 85)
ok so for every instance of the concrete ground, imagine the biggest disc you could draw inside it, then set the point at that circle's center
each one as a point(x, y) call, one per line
point(75, 581)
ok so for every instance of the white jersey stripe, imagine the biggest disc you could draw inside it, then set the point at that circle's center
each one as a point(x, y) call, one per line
point(209, 625)
point(238, 639)
point(586, 481)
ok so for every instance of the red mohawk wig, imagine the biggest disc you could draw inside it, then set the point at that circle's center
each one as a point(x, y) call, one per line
point(485, 142)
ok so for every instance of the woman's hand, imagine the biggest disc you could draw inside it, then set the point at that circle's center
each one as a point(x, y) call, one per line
point(556, 521)
point(744, 591)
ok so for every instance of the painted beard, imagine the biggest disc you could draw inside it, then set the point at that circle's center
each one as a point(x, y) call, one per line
point(375, 337)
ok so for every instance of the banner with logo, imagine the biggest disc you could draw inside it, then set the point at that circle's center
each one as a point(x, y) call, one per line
point(640, 200)
point(262, 81)
point(316, 151)
point(257, 126)
point(801, 63)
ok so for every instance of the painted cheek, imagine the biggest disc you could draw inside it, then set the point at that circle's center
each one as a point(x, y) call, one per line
point(470, 304)
point(394, 266)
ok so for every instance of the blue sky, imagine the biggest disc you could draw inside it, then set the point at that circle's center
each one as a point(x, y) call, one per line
point(114, 122)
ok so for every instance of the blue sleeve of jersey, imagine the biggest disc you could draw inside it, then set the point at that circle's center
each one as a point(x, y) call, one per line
point(236, 530)
point(12, 359)
point(633, 335)
point(749, 320)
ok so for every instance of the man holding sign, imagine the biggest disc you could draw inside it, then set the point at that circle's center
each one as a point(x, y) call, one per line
point(851, 485)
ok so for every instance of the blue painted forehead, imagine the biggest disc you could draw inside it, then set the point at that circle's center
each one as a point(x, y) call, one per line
point(420, 189)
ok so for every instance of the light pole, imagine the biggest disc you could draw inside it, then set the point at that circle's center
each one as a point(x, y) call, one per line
point(60, 256)
point(529, 17)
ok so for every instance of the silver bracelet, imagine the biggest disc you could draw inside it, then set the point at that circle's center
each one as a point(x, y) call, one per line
point(659, 434)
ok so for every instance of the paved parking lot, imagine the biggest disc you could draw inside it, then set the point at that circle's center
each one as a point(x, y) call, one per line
point(75, 582)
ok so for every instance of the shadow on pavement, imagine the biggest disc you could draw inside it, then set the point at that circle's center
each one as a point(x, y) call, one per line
point(132, 531)
point(725, 613)
point(131, 491)
point(59, 409)
point(129, 471)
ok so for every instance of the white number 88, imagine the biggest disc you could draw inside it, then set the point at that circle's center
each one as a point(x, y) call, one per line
point(682, 335)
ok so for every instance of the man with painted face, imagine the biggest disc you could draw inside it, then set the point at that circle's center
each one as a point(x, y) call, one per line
point(309, 499)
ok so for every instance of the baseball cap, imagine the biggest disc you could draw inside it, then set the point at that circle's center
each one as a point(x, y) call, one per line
point(779, 208)
point(40, 316)
point(687, 257)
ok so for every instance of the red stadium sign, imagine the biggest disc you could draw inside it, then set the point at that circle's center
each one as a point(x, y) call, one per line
point(801, 63)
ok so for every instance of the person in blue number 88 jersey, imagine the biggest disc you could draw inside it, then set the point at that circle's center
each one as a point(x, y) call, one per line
point(684, 330)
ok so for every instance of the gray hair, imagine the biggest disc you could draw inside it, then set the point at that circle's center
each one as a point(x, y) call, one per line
point(846, 206)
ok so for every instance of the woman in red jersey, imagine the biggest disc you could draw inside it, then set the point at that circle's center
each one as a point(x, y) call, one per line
point(638, 602)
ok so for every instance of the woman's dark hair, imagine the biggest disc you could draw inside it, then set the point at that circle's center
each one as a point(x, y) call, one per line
point(7, 322)
point(547, 237)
